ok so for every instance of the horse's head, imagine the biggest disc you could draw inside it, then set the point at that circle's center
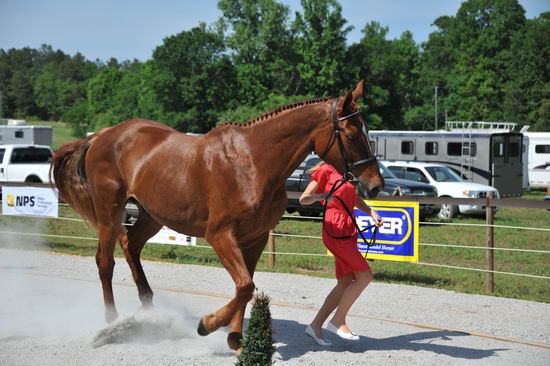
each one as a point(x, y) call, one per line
point(345, 145)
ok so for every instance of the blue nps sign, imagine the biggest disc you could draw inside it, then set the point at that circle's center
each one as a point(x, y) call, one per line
point(397, 238)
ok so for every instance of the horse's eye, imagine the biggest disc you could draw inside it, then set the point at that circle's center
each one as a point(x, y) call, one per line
point(350, 137)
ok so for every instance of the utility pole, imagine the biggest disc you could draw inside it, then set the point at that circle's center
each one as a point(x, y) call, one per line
point(436, 108)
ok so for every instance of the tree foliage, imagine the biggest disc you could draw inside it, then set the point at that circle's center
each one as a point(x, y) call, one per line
point(260, 39)
point(487, 62)
point(193, 78)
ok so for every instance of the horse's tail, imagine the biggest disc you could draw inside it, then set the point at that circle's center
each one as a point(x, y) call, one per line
point(69, 173)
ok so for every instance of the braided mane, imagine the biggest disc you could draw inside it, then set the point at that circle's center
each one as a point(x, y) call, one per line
point(276, 111)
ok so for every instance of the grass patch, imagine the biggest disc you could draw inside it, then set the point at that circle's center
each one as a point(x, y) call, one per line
point(385, 271)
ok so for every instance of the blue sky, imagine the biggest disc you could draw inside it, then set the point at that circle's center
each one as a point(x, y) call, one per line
point(128, 29)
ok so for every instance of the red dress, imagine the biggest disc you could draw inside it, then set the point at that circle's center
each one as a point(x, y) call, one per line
point(348, 259)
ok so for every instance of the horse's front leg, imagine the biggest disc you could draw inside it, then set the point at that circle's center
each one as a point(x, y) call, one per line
point(224, 242)
point(251, 254)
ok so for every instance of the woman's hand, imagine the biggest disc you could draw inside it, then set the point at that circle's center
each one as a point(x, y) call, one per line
point(378, 221)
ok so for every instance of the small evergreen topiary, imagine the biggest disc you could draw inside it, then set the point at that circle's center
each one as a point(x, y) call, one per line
point(258, 346)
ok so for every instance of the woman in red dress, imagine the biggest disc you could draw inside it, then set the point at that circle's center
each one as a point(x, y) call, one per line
point(353, 273)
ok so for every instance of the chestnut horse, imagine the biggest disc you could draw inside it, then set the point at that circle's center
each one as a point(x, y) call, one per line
point(227, 186)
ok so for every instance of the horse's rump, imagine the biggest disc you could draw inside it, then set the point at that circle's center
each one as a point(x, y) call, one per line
point(69, 173)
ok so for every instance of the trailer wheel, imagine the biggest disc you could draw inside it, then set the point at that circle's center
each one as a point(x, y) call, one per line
point(448, 212)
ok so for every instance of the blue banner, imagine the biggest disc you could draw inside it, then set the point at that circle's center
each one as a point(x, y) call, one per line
point(397, 238)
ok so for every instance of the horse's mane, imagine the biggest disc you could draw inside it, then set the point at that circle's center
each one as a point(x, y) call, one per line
point(276, 111)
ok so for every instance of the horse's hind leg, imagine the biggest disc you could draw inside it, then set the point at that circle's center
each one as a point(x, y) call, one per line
point(109, 208)
point(251, 256)
point(106, 263)
point(132, 244)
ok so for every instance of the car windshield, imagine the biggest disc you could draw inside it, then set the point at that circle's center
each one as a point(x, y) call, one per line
point(443, 174)
point(386, 173)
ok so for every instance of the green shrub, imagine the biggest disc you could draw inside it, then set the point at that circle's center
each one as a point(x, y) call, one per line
point(258, 346)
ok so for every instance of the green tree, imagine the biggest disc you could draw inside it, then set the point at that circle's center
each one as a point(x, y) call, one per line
point(390, 69)
point(148, 104)
point(527, 94)
point(125, 99)
point(321, 46)
point(261, 40)
point(77, 116)
point(101, 92)
point(17, 84)
point(54, 93)
point(244, 113)
point(470, 55)
point(42, 83)
point(193, 79)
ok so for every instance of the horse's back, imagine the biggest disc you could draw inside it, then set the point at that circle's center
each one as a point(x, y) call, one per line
point(137, 144)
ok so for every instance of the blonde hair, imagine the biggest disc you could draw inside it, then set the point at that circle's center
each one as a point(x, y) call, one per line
point(315, 167)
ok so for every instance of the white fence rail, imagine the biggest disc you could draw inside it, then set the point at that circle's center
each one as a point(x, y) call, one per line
point(488, 202)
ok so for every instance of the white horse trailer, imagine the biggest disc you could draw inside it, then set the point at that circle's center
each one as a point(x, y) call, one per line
point(26, 134)
point(482, 152)
point(536, 152)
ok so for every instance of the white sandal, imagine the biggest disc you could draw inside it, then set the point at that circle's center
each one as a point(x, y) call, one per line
point(351, 336)
point(320, 341)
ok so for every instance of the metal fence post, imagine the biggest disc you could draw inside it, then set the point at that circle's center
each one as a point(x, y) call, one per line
point(271, 249)
point(490, 244)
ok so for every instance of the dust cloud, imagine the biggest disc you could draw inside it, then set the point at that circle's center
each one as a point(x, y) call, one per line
point(41, 300)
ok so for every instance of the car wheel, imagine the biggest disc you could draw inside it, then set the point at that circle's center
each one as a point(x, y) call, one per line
point(447, 212)
point(33, 179)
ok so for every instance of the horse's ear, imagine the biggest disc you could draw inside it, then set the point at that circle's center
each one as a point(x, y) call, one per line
point(351, 96)
point(358, 91)
point(345, 102)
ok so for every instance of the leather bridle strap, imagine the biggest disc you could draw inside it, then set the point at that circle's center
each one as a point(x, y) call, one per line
point(348, 175)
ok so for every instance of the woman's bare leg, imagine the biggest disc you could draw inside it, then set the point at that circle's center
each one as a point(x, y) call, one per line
point(331, 302)
point(350, 295)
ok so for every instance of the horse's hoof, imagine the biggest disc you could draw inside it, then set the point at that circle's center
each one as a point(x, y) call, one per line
point(110, 315)
point(202, 329)
point(146, 307)
point(234, 340)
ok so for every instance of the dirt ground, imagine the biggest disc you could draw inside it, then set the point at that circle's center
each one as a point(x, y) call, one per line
point(51, 313)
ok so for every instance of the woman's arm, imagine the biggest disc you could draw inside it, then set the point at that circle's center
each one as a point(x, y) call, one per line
point(309, 197)
point(360, 204)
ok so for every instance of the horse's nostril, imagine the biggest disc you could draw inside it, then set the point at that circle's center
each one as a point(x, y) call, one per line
point(376, 190)
point(373, 192)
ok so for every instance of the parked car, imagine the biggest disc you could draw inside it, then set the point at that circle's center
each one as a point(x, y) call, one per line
point(448, 184)
point(299, 179)
point(395, 186)
point(25, 163)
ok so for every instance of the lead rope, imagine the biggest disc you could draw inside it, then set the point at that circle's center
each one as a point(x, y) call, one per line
point(339, 183)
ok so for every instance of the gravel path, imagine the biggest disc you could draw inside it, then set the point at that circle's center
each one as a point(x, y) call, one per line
point(51, 313)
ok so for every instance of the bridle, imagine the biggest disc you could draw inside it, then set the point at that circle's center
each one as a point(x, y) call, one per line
point(348, 174)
